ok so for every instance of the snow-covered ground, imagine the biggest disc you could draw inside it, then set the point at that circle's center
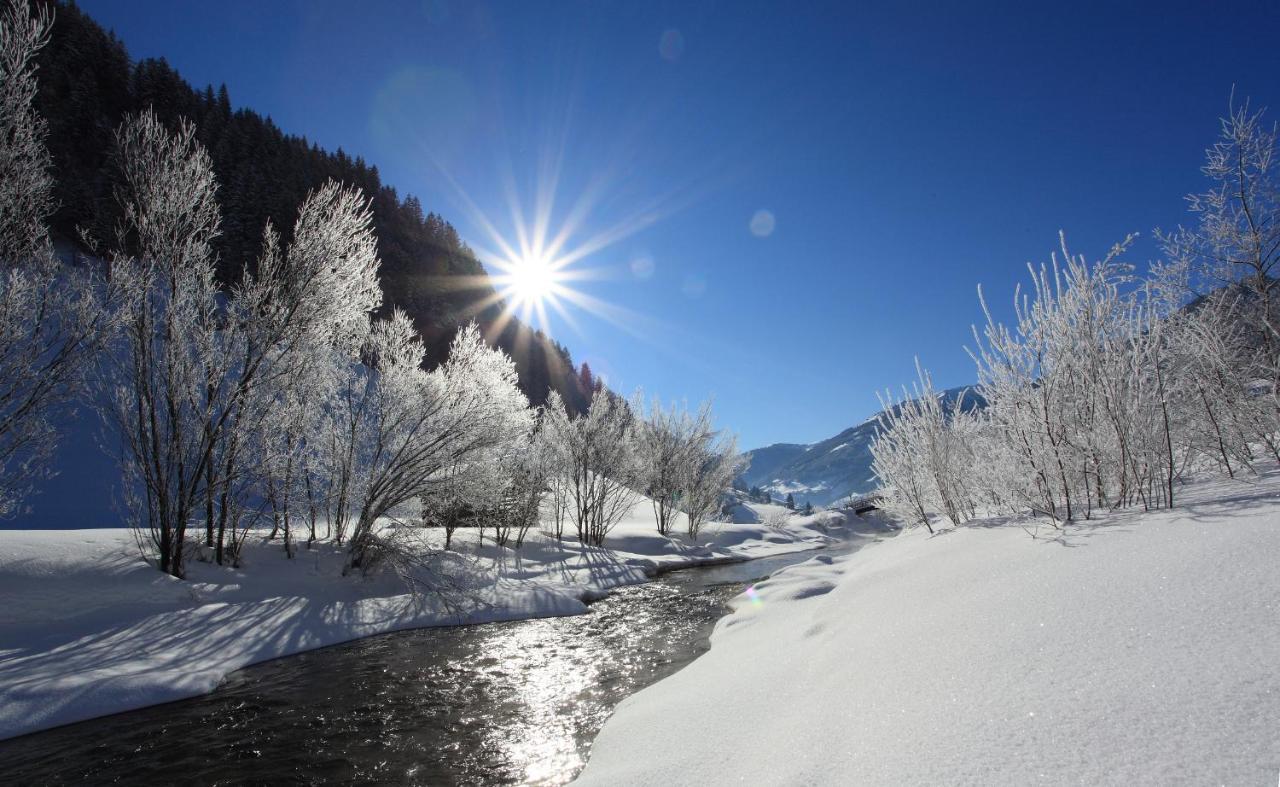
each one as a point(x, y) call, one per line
point(88, 629)
point(1140, 648)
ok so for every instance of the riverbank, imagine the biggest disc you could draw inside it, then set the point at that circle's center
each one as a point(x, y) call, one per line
point(1136, 648)
point(89, 629)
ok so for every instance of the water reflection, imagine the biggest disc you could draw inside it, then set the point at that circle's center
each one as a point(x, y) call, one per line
point(502, 703)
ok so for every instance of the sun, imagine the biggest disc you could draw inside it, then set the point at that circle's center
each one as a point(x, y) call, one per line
point(530, 279)
point(535, 269)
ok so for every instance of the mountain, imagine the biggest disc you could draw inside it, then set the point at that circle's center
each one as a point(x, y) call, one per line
point(88, 84)
point(766, 461)
point(826, 472)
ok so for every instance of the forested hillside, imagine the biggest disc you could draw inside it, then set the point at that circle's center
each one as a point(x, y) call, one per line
point(88, 83)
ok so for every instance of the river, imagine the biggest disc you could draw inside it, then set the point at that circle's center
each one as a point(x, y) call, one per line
point(499, 703)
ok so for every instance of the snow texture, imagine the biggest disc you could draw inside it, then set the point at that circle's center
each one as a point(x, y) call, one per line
point(88, 629)
point(1139, 648)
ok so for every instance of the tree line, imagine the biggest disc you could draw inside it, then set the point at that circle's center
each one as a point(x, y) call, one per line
point(288, 398)
point(88, 85)
point(1110, 387)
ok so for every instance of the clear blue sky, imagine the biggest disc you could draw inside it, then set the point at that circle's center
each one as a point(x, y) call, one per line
point(906, 151)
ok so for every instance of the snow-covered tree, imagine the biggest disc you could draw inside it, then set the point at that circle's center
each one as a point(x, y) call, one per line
point(51, 315)
point(712, 465)
point(667, 444)
point(196, 375)
point(593, 460)
point(411, 429)
point(158, 374)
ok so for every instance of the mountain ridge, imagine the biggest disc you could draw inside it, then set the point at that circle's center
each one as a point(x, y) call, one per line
point(830, 470)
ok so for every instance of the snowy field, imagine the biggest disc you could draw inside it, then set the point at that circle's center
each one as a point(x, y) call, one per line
point(88, 629)
point(1140, 648)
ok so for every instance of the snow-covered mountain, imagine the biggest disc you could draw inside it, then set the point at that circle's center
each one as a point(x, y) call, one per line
point(828, 471)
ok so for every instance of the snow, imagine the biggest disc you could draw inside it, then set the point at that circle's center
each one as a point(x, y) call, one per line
point(781, 486)
point(88, 629)
point(1134, 648)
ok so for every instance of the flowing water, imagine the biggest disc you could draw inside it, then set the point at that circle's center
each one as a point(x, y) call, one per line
point(498, 703)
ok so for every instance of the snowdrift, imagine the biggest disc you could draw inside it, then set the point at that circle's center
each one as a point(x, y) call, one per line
point(1132, 649)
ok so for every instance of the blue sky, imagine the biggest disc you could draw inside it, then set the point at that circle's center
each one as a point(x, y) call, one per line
point(906, 152)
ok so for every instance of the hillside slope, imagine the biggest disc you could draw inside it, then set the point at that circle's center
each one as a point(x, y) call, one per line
point(826, 472)
point(88, 84)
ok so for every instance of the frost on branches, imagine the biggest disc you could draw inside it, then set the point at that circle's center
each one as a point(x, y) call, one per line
point(50, 313)
point(278, 404)
point(1108, 387)
point(683, 463)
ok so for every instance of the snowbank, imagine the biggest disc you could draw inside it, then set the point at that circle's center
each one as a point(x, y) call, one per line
point(1140, 648)
point(88, 629)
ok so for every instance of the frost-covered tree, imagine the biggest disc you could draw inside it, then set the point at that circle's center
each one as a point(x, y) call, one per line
point(1075, 387)
point(1101, 395)
point(410, 429)
point(560, 482)
point(1231, 254)
point(712, 465)
point(195, 376)
point(51, 315)
point(667, 444)
point(451, 504)
point(290, 321)
point(513, 504)
point(921, 457)
point(593, 461)
point(157, 375)
point(1236, 240)
point(682, 462)
point(26, 182)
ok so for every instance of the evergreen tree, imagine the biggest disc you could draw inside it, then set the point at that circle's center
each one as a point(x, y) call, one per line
point(86, 87)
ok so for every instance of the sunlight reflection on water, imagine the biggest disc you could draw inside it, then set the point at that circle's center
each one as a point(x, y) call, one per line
point(501, 703)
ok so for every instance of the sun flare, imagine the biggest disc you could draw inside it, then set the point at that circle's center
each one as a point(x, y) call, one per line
point(536, 264)
point(530, 279)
